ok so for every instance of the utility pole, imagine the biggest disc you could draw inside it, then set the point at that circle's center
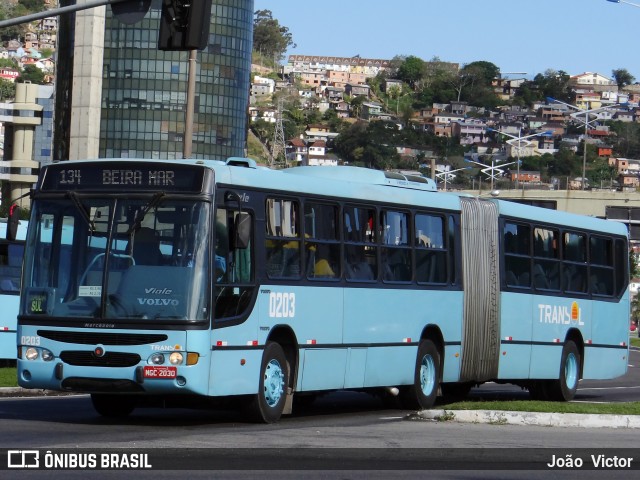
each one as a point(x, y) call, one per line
point(278, 145)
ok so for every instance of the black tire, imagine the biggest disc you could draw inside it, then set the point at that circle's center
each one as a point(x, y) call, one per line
point(113, 406)
point(422, 394)
point(268, 404)
point(564, 388)
point(538, 390)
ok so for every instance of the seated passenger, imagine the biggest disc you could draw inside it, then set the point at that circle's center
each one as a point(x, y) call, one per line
point(357, 267)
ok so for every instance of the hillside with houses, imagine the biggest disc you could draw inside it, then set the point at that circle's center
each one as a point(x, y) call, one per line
point(338, 92)
point(27, 52)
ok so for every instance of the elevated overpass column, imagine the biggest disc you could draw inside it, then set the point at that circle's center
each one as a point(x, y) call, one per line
point(18, 170)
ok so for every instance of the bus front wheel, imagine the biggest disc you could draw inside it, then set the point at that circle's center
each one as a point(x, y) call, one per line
point(422, 394)
point(564, 389)
point(113, 405)
point(268, 404)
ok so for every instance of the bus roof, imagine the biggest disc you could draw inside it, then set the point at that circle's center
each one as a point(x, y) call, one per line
point(356, 183)
point(545, 215)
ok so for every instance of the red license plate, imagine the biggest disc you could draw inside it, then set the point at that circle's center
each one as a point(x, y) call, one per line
point(160, 372)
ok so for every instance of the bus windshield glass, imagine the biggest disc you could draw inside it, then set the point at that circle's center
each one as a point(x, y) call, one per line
point(118, 259)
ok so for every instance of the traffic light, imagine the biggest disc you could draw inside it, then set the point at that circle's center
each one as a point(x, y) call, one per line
point(184, 24)
point(12, 224)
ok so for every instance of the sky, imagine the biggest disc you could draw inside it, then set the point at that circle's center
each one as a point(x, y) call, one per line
point(519, 36)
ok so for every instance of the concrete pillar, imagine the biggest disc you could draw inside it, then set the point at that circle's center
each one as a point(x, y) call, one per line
point(20, 171)
point(84, 138)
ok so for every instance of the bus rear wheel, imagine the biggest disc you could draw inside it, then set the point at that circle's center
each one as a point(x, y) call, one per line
point(113, 405)
point(268, 404)
point(564, 389)
point(422, 394)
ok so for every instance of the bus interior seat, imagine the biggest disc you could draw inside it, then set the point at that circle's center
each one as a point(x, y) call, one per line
point(146, 247)
point(511, 279)
point(15, 253)
point(8, 286)
point(539, 277)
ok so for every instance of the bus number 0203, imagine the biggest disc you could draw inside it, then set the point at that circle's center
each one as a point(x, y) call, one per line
point(282, 304)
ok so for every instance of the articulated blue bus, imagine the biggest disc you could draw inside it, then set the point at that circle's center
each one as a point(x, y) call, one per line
point(184, 281)
point(11, 252)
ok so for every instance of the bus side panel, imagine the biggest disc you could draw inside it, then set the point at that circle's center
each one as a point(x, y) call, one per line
point(323, 369)
point(604, 363)
point(230, 377)
point(515, 333)
point(354, 376)
point(605, 358)
point(390, 366)
point(315, 315)
point(8, 324)
point(382, 317)
point(552, 319)
point(379, 317)
point(446, 311)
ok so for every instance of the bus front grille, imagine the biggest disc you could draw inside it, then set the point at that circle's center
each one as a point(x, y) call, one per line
point(102, 338)
point(109, 359)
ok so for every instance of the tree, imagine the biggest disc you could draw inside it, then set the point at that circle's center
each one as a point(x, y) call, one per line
point(601, 172)
point(411, 71)
point(554, 84)
point(269, 37)
point(622, 77)
point(7, 89)
point(475, 81)
point(32, 74)
point(356, 105)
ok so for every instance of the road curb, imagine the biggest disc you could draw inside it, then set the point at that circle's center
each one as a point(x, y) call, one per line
point(29, 392)
point(497, 417)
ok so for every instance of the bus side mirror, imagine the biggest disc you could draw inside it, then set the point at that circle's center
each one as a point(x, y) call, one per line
point(242, 231)
point(13, 222)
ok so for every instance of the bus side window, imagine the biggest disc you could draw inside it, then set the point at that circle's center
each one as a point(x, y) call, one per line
point(361, 250)
point(283, 239)
point(575, 270)
point(431, 254)
point(517, 255)
point(233, 263)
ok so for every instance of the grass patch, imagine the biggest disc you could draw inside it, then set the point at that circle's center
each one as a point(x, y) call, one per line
point(634, 341)
point(8, 377)
point(629, 408)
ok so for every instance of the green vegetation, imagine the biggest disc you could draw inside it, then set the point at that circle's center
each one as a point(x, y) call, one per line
point(8, 377)
point(629, 408)
point(634, 342)
point(270, 38)
point(18, 9)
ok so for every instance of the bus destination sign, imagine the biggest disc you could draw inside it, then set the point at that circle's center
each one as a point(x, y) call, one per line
point(152, 176)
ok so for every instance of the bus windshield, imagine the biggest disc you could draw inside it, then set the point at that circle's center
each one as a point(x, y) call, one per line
point(118, 259)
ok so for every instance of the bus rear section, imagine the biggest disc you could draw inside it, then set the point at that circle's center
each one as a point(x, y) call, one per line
point(11, 253)
point(548, 298)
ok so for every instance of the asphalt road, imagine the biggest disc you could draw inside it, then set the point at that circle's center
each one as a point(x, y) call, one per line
point(342, 435)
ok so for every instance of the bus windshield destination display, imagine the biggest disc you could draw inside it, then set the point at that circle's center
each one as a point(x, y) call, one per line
point(145, 177)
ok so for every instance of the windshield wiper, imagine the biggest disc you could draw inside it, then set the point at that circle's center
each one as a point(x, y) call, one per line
point(83, 213)
point(157, 198)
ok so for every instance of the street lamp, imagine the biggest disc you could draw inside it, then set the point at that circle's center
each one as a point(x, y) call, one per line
point(586, 122)
point(519, 140)
point(622, 1)
point(491, 170)
point(444, 175)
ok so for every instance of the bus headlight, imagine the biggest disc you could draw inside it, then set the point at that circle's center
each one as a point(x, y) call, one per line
point(31, 354)
point(175, 358)
point(156, 359)
point(47, 356)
